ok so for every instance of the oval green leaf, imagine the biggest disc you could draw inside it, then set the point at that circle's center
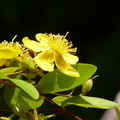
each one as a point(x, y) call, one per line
point(29, 101)
point(89, 102)
point(56, 81)
point(9, 70)
point(3, 76)
point(59, 99)
point(27, 87)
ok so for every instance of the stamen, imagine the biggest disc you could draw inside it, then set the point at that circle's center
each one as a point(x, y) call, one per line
point(66, 34)
point(14, 38)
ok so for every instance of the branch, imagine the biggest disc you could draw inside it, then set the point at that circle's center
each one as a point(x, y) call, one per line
point(66, 95)
point(8, 83)
point(61, 110)
point(15, 73)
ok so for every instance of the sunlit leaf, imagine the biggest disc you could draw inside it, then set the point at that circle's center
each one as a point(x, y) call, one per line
point(89, 102)
point(56, 81)
point(27, 87)
point(9, 70)
point(3, 76)
point(11, 96)
point(59, 99)
point(19, 101)
point(32, 103)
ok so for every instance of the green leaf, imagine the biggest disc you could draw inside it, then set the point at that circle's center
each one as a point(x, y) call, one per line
point(59, 99)
point(8, 94)
point(32, 103)
point(9, 70)
point(3, 76)
point(27, 87)
point(56, 81)
point(28, 64)
point(11, 96)
point(1, 85)
point(89, 102)
point(117, 112)
point(19, 101)
point(29, 75)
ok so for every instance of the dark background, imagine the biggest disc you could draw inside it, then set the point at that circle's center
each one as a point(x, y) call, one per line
point(94, 28)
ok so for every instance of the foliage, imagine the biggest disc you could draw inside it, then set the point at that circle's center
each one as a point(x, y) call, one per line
point(30, 71)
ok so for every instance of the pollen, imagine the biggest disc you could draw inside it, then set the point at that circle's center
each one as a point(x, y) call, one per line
point(59, 44)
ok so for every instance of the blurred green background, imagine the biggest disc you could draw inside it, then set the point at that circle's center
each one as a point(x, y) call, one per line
point(94, 28)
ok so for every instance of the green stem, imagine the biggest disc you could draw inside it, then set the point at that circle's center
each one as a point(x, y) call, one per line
point(11, 116)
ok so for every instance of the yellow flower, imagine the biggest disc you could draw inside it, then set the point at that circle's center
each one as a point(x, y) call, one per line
point(53, 49)
point(10, 50)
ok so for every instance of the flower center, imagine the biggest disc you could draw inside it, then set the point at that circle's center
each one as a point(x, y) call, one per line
point(17, 47)
point(60, 44)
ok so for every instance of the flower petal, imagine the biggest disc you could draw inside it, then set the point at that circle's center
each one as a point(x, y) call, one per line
point(2, 61)
point(45, 60)
point(69, 58)
point(33, 45)
point(64, 67)
point(7, 52)
point(41, 37)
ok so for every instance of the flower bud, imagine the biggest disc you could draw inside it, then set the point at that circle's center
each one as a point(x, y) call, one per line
point(86, 87)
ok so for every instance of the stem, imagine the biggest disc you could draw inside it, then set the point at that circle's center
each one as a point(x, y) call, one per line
point(6, 110)
point(72, 115)
point(50, 100)
point(66, 95)
point(7, 83)
point(61, 110)
point(95, 77)
point(15, 73)
point(11, 116)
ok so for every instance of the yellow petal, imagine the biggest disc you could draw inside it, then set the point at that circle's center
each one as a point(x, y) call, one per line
point(7, 52)
point(45, 60)
point(64, 67)
point(41, 37)
point(33, 45)
point(69, 58)
point(2, 61)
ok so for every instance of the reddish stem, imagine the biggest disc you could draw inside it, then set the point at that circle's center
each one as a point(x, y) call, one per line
point(8, 83)
point(15, 73)
point(66, 95)
point(60, 111)
point(6, 110)
point(60, 108)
